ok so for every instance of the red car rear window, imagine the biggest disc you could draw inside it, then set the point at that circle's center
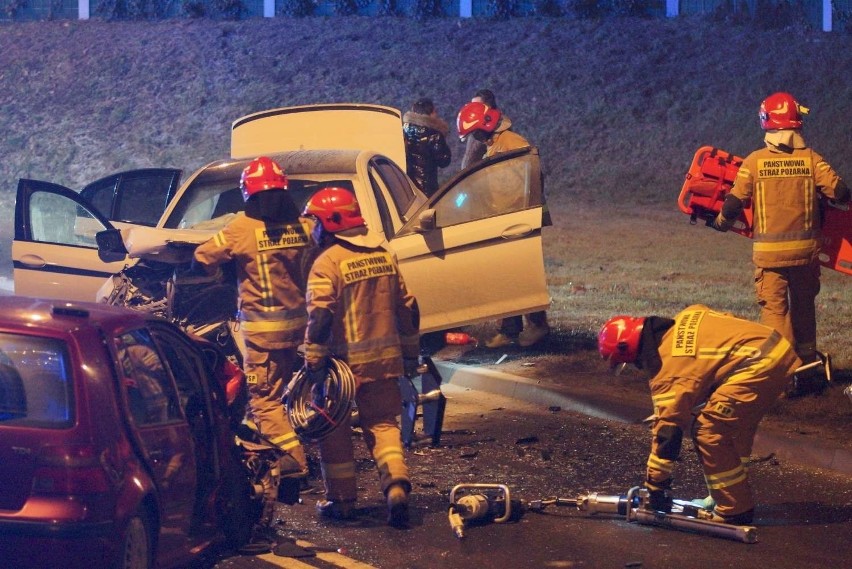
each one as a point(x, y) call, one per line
point(35, 382)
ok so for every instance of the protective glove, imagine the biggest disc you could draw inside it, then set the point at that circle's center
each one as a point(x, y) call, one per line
point(317, 370)
point(409, 367)
point(719, 223)
point(658, 495)
point(317, 373)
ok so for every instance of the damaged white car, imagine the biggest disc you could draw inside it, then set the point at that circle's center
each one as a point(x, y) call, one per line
point(471, 252)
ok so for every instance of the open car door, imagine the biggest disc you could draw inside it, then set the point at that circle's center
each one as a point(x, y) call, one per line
point(350, 126)
point(54, 252)
point(137, 196)
point(473, 252)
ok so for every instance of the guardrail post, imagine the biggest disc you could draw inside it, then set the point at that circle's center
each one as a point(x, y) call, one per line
point(268, 8)
point(672, 8)
point(465, 8)
point(83, 9)
point(826, 15)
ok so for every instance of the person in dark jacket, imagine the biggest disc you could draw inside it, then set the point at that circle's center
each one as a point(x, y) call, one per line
point(426, 147)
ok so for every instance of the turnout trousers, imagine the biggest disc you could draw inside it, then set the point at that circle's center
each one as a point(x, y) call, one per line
point(725, 428)
point(379, 403)
point(267, 374)
point(787, 299)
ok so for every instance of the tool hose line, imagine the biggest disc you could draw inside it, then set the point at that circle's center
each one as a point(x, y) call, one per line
point(314, 416)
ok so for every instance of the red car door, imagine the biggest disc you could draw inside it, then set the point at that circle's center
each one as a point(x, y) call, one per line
point(162, 432)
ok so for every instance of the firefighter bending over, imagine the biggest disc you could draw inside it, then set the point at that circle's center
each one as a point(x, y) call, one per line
point(271, 247)
point(732, 368)
point(360, 311)
point(784, 180)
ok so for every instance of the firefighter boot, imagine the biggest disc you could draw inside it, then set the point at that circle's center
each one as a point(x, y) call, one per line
point(533, 334)
point(741, 519)
point(292, 475)
point(397, 497)
point(336, 510)
point(500, 341)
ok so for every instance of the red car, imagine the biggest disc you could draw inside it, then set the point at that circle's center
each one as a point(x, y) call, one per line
point(116, 448)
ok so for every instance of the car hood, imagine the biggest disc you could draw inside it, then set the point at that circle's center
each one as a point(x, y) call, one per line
point(164, 245)
point(347, 126)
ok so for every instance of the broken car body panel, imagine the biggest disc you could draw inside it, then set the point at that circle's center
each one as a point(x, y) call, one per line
point(471, 252)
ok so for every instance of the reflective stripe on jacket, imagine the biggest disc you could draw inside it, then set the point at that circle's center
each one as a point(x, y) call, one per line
point(705, 349)
point(374, 322)
point(784, 189)
point(272, 262)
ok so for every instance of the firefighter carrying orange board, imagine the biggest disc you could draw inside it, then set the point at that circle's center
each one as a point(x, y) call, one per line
point(710, 178)
point(787, 198)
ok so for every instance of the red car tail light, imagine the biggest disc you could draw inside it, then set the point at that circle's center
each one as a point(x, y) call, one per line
point(71, 470)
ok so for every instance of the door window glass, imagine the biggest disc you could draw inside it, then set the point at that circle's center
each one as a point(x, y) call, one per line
point(501, 188)
point(57, 219)
point(142, 200)
point(397, 184)
point(187, 370)
point(101, 195)
point(150, 392)
point(35, 382)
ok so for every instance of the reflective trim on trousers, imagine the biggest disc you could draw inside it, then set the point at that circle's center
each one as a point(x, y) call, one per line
point(726, 479)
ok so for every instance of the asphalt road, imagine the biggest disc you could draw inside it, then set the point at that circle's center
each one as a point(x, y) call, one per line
point(804, 516)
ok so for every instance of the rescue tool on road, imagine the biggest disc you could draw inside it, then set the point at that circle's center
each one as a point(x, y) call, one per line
point(481, 503)
point(472, 504)
point(636, 507)
point(430, 401)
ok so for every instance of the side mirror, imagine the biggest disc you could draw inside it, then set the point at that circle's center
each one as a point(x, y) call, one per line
point(110, 245)
point(426, 221)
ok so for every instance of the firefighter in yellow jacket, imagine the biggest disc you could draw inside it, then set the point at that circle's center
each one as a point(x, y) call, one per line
point(271, 247)
point(784, 180)
point(488, 126)
point(731, 369)
point(359, 310)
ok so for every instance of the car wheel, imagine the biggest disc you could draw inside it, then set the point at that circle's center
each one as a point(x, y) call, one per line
point(135, 549)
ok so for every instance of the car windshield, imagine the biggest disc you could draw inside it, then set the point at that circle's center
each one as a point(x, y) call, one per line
point(35, 382)
point(212, 199)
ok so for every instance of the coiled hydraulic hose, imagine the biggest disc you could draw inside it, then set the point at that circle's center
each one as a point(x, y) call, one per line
point(315, 410)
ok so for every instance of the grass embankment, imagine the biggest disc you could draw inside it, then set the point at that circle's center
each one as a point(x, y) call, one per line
point(618, 107)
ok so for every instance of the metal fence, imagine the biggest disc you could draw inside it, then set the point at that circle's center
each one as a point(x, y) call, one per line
point(827, 15)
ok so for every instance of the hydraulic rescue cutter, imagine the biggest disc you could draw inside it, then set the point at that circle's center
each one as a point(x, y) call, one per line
point(477, 504)
point(636, 507)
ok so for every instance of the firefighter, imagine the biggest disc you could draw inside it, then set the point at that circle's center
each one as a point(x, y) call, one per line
point(488, 126)
point(784, 181)
point(731, 369)
point(360, 311)
point(271, 247)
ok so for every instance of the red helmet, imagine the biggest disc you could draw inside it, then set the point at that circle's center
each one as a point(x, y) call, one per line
point(335, 208)
point(260, 175)
point(781, 111)
point(477, 116)
point(618, 340)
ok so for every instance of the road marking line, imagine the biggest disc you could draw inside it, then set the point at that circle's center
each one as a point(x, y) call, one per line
point(336, 559)
point(286, 562)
